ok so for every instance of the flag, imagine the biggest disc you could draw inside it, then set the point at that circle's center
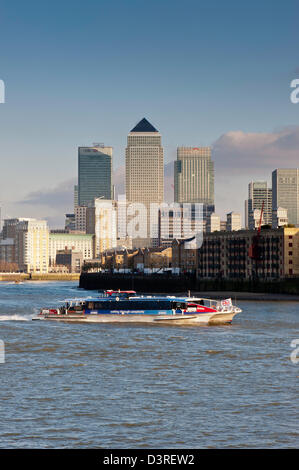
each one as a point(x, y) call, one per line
point(226, 303)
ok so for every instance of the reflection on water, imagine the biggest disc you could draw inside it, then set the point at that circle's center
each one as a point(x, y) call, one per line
point(154, 386)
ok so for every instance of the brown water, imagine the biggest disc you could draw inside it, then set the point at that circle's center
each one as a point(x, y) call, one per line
point(154, 386)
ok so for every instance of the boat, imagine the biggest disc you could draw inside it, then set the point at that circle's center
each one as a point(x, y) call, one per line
point(128, 307)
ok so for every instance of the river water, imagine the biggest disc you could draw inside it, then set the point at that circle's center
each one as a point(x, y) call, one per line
point(154, 386)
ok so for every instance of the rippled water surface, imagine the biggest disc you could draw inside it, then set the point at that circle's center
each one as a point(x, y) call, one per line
point(132, 386)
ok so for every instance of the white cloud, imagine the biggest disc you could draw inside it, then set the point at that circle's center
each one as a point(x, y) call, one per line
point(241, 157)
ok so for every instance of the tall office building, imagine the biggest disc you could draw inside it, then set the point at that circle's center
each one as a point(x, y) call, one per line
point(258, 193)
point(285, 187)
point(144, 164)
point(194, 175)
point(144, 170)
point(94, 173)
point(194, 178)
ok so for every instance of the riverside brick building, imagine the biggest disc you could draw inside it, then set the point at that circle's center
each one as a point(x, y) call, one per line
point(226, 254)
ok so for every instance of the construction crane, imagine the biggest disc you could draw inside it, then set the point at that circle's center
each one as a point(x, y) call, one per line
point(254, 249)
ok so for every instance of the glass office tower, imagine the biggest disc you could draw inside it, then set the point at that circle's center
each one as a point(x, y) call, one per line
point(94, 173)
point(194, 175)
point(285, 192)
point(194, 178)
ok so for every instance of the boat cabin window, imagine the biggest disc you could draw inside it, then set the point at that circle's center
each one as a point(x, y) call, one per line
point(178, 305)
point(76, 307)
point(131, 305)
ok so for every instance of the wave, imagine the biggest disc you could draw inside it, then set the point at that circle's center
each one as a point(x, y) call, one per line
point(15, 317)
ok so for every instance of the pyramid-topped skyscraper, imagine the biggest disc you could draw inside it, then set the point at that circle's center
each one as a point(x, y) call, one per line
point(144, 126)
point(144, 166)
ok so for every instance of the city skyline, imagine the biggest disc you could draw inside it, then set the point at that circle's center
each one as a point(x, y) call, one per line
point(66, 193)
point(218, 85)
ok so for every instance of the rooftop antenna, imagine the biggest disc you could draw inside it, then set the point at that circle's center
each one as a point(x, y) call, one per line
point(98, 144)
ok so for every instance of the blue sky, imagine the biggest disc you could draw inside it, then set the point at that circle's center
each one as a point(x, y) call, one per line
point(81, 72)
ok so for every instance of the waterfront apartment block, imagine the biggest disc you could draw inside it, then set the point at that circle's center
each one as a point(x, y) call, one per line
point(291, 251)
point(32, 246)
point(10, 227)
point(94, 174)
point(226, 254)
point(7, 250)
point(25, 243)
point(285, 186)
point(82, 243)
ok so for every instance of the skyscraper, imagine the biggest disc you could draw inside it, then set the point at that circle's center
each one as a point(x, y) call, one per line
point(144, 167)
point(144, 164)
point(258, 193)
point(194, 178)
point(94, 173)
point(194, 175)
point(285, 187)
